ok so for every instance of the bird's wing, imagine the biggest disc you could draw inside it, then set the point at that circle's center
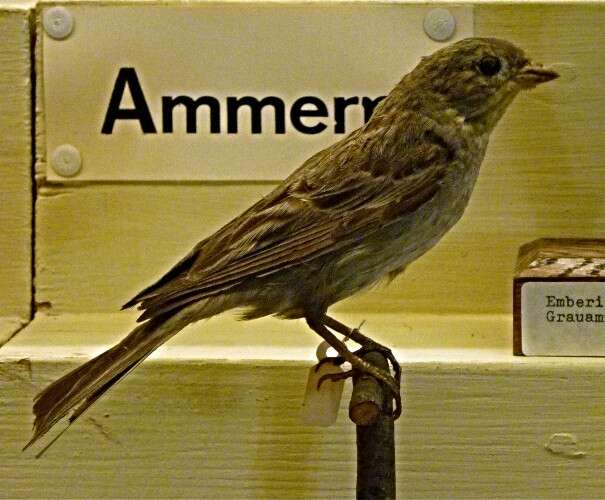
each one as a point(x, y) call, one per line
point(328, 204)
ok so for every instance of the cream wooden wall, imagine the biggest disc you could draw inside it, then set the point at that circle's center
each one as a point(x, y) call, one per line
point(15, 170)
point(97, 244)
point(215, 414)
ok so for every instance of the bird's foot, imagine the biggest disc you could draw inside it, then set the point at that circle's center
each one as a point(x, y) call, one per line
point(392, 383)
point(334, 377)
point(369, 345)
point(358, 364)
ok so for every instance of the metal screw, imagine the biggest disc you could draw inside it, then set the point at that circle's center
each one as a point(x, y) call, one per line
point(439, 24)
point(66, 160)
point(58, 22)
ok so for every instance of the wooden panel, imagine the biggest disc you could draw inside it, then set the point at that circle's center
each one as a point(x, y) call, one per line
point(15, 164)
point(477, 422)
point(9, 326)
point(484, 425)
point(543, 176)
point(99, 244)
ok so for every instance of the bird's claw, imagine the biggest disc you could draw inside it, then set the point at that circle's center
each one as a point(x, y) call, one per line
point(334, 377)
point(335, 360)
point(391, 383)
point(360, 366)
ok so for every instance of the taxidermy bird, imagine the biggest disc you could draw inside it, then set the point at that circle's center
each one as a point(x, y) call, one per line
point(351, 215)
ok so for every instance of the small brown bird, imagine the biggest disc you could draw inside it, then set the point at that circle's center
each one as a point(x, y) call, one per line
point(357, 212)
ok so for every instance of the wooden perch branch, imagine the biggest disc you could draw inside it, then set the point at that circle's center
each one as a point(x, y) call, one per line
point(371, 409)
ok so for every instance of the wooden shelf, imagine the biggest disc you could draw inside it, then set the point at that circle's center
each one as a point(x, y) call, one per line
point(215, 414)
point(413, 337)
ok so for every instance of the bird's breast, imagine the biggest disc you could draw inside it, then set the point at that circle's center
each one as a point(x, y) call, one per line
point(403, 241)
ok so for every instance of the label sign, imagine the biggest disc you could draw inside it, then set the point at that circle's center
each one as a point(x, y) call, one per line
point(222, 91)
point(563, 318)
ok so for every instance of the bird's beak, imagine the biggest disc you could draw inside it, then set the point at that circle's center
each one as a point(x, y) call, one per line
point(533, 74)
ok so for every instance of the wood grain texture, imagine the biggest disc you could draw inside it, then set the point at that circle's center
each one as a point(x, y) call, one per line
point(15, 163)
point(559, 257)
point(98, 244)
point(483, 426)
point(214, 414)
point(9, 327)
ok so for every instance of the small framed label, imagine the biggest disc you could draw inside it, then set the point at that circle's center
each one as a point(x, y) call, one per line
point(559, 298)
point(563, 318)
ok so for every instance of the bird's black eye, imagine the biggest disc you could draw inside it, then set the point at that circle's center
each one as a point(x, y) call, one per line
point(490, 65)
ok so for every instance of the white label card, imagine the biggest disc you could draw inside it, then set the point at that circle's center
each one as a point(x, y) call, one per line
point(222, 91)
point(321, 404)
point(563, 318)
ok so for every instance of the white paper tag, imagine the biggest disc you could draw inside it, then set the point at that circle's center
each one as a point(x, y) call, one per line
point(563, 318)
point(320, 406)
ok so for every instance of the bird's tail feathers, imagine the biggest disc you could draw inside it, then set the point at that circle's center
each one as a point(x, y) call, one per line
point(80, 388)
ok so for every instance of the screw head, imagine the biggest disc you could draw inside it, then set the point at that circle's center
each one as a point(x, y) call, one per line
point(66, 160)
point(439, 24)
point(58, 22)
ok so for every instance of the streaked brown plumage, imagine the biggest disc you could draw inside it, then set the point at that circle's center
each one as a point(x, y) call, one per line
point(354, 213)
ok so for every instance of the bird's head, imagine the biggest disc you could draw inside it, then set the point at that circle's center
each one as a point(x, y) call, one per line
point(477, 77)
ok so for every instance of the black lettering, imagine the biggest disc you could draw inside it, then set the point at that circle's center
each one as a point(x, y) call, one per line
point(297, 113)
point(128, 77)
point(256, 106)
point(550, 301)
point(191, 106)
point(369, 105)
point(340, 106)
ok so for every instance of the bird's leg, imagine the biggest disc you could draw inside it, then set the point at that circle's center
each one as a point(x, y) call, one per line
point(366, 343)
point(358, 364)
